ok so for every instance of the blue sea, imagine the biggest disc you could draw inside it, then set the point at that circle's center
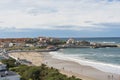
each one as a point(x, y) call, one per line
point(104, 59)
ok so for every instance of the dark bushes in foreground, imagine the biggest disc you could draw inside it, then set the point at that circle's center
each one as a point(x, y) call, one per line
point(36, 72)
point(40, 73)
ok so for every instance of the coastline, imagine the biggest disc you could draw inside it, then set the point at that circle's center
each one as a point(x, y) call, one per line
point(66, 67)
point(81, 71)
point(105, 67)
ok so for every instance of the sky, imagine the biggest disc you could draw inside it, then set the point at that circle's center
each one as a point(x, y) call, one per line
point(59, 18)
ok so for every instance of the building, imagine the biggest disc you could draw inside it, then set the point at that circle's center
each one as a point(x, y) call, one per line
point(2, 67)
point(42, 40)
point(14, 40)
point(5, 45)
point(10, 42)
point(7, 75)
point(1, 45)
point(29, 45)
point(55, 40)
point(70, 41)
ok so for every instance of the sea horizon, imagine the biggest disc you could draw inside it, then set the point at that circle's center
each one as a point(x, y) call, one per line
point(81, 58)
point(105, 59)
point(64, 37)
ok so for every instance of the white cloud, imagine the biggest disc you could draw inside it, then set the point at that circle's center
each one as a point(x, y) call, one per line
point(47, 14)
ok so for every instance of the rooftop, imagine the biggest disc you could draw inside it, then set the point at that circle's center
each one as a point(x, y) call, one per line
point(4, 72)
point(7, 73)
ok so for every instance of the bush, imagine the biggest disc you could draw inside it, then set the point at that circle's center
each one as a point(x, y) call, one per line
point(40, 73)
point(36, 73)
point(9, 62)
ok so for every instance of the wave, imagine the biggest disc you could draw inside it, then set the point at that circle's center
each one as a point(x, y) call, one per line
point(98, 65)
point(109, 42)
point(105, 42)
point(110, 55)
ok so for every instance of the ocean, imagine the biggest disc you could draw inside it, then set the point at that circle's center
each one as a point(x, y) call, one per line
point(104, 59)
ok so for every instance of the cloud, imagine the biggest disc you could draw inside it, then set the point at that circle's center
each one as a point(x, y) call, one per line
point(109, 25)
point(60, 14)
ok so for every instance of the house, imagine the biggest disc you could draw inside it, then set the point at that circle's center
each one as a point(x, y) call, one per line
point(14, 40)
point(42, 42)
point(5, 44)
point(70, 41)
point(2, 67)
point(56, 40)
point(11, 44)
point(42, 39)
point(29, 45)
point(7, 75)
point(1, 45)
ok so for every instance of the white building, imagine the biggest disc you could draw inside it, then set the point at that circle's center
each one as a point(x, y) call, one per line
point(70, 41)
point(7, 75)
point(29, 45)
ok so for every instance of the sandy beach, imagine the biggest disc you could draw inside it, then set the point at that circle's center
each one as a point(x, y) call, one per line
point(66, 67)
point(33, 57)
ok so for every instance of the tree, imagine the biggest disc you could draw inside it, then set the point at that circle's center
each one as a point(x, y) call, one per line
point(9, 62)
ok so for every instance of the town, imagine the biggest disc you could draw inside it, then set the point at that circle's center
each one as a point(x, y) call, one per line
point(47, 44)
point(40, 44)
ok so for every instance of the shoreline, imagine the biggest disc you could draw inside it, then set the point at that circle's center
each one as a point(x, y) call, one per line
point(61, 66)
point(79, 70)
point(105, 67)
point(66, 67)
